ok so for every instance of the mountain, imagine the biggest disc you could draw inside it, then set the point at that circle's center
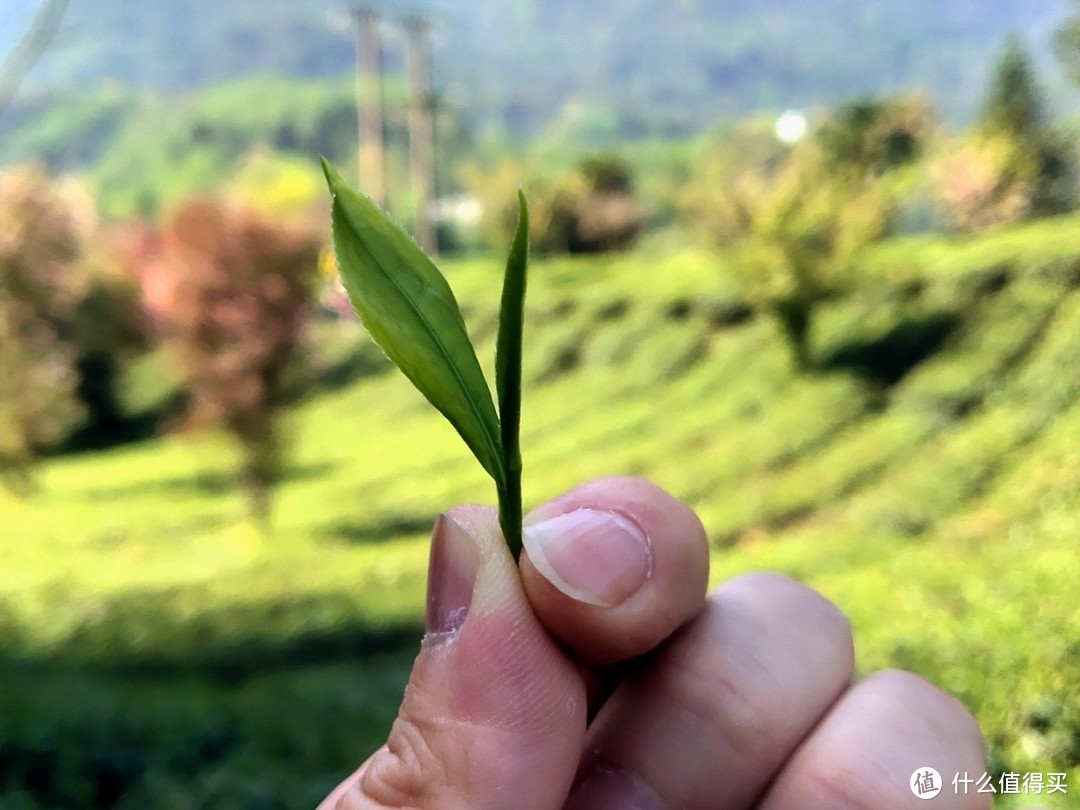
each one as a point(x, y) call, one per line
point(649, 66)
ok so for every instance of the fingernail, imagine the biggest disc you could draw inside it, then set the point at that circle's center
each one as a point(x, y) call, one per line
point(606, 789)
point(597, 557)
point(454, 563)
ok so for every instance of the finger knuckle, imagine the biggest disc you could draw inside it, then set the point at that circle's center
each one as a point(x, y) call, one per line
point(790, 598)
point(908, 689)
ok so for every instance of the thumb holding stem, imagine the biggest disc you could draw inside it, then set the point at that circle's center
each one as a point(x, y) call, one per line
point(494, 713)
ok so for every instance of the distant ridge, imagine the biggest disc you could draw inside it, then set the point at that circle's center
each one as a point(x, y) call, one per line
point(652, 64)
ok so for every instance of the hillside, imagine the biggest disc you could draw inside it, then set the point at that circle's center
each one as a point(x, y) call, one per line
point(638, 65)
point(925, 478)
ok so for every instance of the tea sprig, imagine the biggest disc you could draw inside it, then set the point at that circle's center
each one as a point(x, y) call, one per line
point(410, 311)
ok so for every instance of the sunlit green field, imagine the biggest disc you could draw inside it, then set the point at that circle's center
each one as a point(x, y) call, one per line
point(156, 651)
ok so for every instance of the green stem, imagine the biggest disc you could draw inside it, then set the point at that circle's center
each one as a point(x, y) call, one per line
point(508, 379)
point(510, 511)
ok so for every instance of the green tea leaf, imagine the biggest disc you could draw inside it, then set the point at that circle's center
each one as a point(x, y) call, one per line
point(410, 311)
point(508, 377)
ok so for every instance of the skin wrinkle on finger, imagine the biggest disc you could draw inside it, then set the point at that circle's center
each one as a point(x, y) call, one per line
point(417, 772)
point(410, 770)
point(436, 761)
point(746, 681)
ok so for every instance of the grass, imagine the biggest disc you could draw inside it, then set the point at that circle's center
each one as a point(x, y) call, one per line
point(925, 478)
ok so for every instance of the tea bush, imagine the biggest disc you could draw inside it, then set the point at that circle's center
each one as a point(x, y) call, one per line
point(161, 652)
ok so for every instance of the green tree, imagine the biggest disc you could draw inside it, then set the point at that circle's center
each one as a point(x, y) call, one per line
point(1014, 104)
point(1014, 110)
point(108, 330)
point(793, 218)
point(794, 234)
point(39, 243)
point(1013, 166)
point(1067, 44)
point(875, 136)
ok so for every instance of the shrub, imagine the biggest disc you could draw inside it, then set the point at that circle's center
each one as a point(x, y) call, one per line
point(39, 242)
point(608, 216)
point(279, 186)
point(233, 295)
point(591, 209)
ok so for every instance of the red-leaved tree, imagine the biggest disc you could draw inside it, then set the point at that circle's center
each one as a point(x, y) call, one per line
point(232, 292)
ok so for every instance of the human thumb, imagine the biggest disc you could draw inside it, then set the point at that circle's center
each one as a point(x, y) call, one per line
point(494, 712)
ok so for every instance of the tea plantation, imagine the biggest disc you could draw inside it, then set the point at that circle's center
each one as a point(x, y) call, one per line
point(156, 652)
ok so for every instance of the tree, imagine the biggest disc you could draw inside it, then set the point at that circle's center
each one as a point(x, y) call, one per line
point(1015, 109)
point(233, 292)
point(108, 329)
point(794, 234)
point(793, 218)
point(1014, 104)
point(1012, 167)
point(38, 246)
point(985, 180)
point(874, 136)
point(1067, 45)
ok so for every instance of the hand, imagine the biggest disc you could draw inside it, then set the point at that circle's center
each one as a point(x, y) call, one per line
point(601, 677)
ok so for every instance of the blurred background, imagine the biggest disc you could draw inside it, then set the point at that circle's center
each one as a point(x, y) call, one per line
point(813, 268)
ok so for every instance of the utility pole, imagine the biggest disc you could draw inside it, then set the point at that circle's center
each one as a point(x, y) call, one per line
point(421, 130)
point(369, 104)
